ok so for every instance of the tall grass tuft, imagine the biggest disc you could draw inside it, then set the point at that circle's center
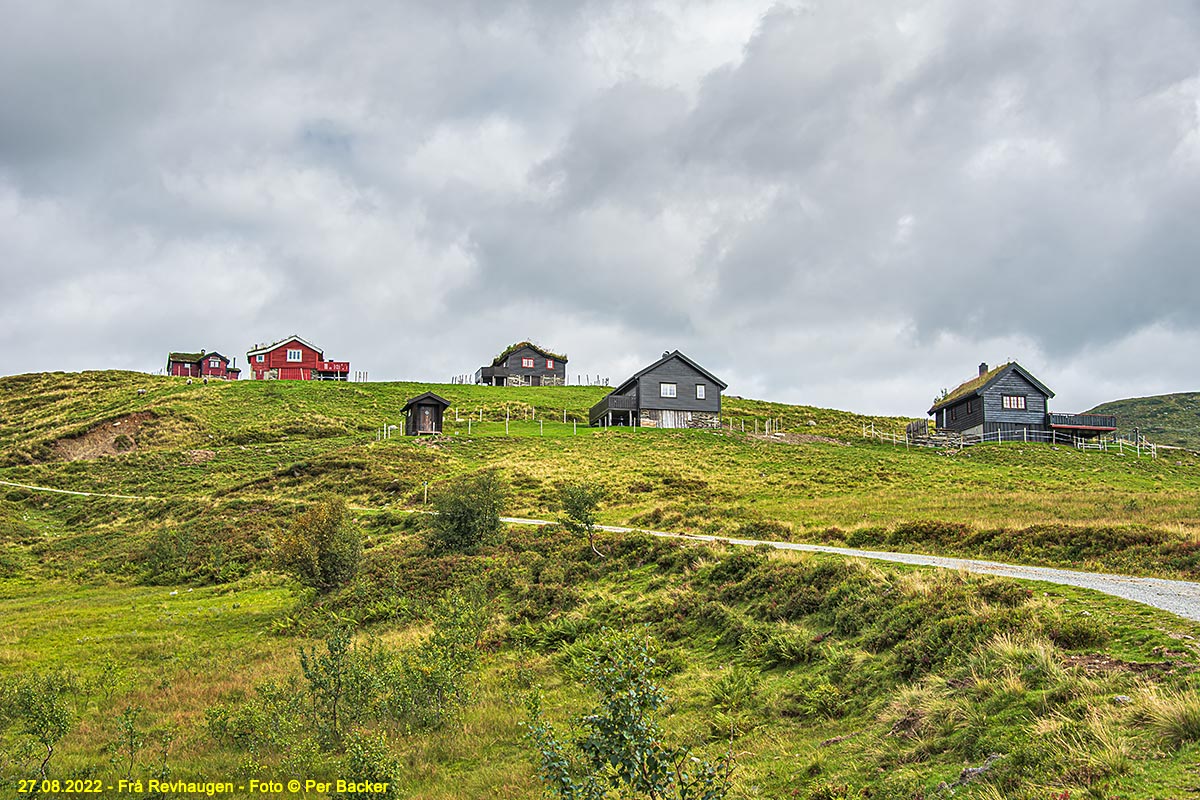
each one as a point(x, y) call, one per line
point(1173, 715)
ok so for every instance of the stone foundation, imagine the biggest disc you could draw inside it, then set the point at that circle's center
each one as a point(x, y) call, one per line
point(653, 418)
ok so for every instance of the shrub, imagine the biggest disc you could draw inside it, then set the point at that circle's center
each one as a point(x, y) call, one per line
point(39, 705)
point(322, 547)
point(368, 758)
point(579, 502)
point(619, 750)
point(468, 514)
point(328, 674)
point(426, 686)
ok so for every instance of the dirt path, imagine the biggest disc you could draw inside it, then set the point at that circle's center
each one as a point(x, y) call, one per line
point(1179, 597)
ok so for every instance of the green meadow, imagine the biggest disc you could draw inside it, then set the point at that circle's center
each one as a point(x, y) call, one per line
point(167, 623)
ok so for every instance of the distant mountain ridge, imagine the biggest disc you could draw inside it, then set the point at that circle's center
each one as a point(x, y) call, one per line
point(1171, 419)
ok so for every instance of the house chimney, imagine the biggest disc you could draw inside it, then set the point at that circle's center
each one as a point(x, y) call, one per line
point(666, 353)
point(983, 369)
point(202, 351)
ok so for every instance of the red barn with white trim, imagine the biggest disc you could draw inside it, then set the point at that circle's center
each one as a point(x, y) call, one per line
point(294, 359)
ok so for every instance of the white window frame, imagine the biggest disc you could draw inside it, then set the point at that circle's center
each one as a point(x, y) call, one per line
point(260, 359)
point(526, 363)
point(699, 391)
point(667, 390)
point(294, 356)
point(214, 363)
point(1013, 402)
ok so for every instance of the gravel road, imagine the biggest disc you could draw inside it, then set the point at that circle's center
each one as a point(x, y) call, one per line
point(1179, 597)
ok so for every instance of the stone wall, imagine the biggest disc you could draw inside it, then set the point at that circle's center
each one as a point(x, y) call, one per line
point(652, 418)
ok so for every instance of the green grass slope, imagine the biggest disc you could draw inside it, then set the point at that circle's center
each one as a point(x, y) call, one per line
point(827, 678)
point(1170, 419)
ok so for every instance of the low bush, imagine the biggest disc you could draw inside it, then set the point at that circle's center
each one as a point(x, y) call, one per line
point(468, 514)
point(322, 547)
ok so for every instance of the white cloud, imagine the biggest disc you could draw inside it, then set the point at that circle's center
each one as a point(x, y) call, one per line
point(831, 203)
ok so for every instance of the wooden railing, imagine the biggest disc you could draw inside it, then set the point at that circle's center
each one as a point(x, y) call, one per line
point(1106, 421)
point(612, 402)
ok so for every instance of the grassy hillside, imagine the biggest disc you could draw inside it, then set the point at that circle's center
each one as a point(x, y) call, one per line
point(1171, 419)
point(167, 615)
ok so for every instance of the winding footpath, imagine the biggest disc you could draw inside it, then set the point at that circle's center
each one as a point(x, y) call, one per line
point(1178, 597)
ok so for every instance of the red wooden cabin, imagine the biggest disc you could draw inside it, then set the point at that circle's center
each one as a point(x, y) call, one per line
point(294, 359)
point(202, 365)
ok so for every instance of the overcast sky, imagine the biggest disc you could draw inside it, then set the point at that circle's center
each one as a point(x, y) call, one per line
point(834, 203)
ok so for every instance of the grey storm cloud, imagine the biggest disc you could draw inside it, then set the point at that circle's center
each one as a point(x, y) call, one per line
point(845, 204)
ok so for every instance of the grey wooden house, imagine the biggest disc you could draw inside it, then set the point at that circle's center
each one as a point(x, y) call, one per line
point(424, 414)
point(1007, 400)
point(673, 392)
point(524, 364)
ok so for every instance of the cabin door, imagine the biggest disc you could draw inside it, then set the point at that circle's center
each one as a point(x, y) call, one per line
point(425, 420)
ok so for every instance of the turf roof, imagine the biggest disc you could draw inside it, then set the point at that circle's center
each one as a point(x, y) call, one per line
point(512, 348)
point(971, 386)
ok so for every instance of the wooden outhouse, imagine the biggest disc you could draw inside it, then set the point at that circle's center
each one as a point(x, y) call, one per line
point(424, 414)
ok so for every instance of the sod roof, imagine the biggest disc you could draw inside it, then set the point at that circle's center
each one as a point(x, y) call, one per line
point(512, 348)
point(977, 385)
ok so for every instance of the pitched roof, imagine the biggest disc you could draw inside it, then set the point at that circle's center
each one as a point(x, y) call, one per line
point(667, 357)
point(266, 348)
point(512, 348)
point(426, 396)
point(192, 358)
point(977, 386)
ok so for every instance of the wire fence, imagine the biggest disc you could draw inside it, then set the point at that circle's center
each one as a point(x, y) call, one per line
point(952, 440)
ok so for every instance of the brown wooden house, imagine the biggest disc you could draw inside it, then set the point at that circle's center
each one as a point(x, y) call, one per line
point(424, 414)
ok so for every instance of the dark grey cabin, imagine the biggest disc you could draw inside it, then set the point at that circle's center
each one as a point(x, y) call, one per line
point(1007, 400)
point(524, 364)
point(424, 414)
point(673, 392)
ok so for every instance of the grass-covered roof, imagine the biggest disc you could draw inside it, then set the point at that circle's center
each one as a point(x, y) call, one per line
point(971, 386)
point(512, 348)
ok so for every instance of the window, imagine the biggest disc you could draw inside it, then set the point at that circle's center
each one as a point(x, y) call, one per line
point(527, 363)
point(666, 390)
point(1014, 401)
point(214, 363)
point(260, 359)
point(699, 391)
point(295, 355)
point(549, 363)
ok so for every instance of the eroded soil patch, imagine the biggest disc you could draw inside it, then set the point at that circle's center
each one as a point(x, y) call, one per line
point(109, 438)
